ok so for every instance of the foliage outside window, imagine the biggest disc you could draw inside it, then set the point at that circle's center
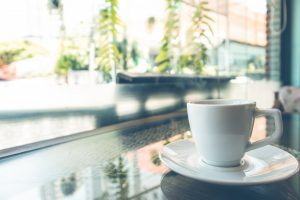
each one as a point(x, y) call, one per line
point(13, 51)
point(172, 37)
point(170, 58)
point(194, 56)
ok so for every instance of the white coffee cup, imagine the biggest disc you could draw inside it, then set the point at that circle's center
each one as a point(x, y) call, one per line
point(221, 129)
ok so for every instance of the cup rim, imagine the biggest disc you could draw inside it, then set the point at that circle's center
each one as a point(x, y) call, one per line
point(222, 102)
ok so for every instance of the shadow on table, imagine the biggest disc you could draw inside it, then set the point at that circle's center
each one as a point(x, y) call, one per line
point(175, 186)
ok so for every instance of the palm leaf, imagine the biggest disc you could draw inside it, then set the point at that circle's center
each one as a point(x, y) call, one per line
point(163, 67)
point(170, 40)
point(108, 29)
point(161, 57)
point(208, 18)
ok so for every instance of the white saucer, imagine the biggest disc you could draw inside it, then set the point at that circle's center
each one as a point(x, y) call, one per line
point(263, 165)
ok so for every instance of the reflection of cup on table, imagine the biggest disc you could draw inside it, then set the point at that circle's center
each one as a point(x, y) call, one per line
point(221, 129)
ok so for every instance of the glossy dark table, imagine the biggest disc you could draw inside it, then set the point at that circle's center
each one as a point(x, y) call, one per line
point(121, 162)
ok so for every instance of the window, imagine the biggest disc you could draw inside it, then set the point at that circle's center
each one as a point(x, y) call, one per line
point(57, 56)
point(90, 41)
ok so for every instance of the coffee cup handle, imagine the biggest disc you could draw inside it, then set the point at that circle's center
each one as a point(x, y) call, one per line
point(275, 135)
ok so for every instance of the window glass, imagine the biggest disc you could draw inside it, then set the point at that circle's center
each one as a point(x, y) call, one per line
point(56, 39)
point(58, 59)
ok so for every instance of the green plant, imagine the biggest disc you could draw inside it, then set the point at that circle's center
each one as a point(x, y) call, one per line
point(68, 62)
point(197, 36)
point(9, 56)
point(13, 51)
point(166, 59)
point(109, 30)
point(170, 58)
point(116, 171)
